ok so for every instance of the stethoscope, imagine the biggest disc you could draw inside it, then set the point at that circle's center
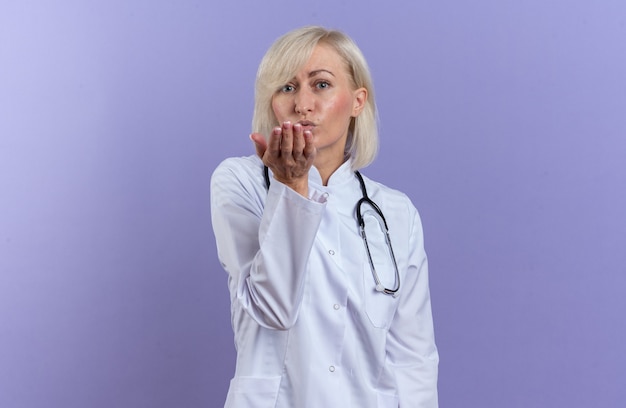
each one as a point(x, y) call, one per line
point(379, 214)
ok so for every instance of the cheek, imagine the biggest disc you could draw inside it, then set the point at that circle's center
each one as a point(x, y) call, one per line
point(341, 107)
point(280, 109)
point(275, 108)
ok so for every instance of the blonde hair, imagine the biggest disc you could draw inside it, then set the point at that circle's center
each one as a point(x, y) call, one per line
point(288, 54)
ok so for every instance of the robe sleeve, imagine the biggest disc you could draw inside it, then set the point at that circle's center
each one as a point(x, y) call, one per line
point(412, 357)
point(263, 243)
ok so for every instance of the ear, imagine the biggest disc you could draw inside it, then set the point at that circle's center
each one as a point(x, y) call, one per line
point(360, 97)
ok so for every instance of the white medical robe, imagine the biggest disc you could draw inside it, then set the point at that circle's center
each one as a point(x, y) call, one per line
point(310, 329)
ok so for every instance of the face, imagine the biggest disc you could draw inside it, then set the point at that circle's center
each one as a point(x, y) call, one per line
point(321, 97)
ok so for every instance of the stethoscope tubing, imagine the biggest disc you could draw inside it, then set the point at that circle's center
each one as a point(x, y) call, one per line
point(366, 200)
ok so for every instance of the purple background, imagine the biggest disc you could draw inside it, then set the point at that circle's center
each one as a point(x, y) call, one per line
point(505, 121)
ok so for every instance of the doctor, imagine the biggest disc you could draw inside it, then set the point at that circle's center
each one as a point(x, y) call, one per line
point(327, 309)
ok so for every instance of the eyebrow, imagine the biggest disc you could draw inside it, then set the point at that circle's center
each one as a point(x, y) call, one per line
point(319, 71)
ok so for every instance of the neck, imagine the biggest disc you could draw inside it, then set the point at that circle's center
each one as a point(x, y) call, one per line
point(329, 158)
point(326, 168)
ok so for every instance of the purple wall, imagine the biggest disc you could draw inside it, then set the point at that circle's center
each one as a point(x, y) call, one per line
point(505, 121)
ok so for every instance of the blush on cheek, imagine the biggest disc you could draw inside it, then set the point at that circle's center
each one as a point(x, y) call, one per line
point(341, 106)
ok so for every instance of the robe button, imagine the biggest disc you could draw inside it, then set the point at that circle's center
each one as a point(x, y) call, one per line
point(331, 369)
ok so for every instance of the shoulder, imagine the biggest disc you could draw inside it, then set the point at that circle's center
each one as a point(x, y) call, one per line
point(393, 201)
point(241, 176)
point(376, 189)
point(245, 164)
point(238, 169)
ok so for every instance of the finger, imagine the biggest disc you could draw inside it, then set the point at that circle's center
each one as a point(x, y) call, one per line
point(286, 142)
point(260, 144)
point(273, 145)
point(309, 149)
point(298, 140)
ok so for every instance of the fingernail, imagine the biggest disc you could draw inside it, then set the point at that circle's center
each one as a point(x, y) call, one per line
point(297, 126)
point(287, 124)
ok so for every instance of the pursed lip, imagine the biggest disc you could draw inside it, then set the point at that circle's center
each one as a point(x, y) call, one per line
point(306, 124)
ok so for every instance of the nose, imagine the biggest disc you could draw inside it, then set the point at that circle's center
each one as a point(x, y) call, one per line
point(304, 101)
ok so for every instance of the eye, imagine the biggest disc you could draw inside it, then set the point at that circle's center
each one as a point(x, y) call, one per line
point(287, 88)
point(322, 85)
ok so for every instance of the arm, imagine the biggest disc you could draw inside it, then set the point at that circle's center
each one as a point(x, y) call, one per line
point(264, 248)
point(411, 351)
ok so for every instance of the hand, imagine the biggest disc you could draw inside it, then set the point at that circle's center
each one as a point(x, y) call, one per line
point(289, 153)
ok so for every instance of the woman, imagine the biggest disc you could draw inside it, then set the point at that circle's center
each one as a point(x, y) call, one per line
point(322, 315)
